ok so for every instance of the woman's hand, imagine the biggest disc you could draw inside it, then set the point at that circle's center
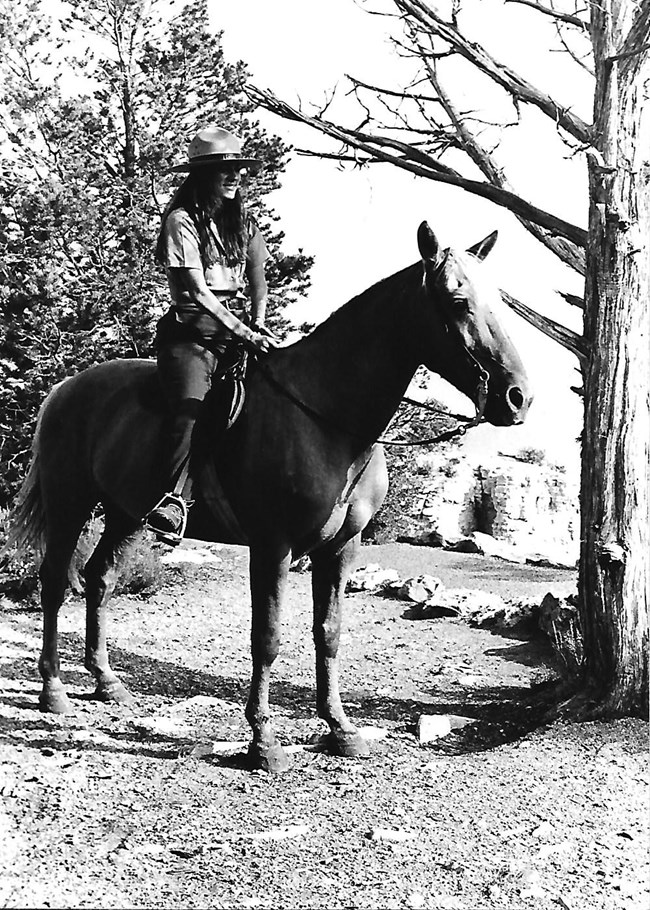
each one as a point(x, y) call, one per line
point(262, 344)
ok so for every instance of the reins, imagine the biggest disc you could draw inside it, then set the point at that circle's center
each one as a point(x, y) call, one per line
point(460, 430)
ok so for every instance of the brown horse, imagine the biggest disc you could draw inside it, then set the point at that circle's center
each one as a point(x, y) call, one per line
point(301, 469)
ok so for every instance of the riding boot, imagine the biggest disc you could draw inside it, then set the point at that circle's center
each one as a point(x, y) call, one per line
point(168, 519)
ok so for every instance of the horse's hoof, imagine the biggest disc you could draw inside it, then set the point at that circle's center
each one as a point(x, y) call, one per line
point(271, 758)
point(53, 700)
point(113, 692)
point(347, 745)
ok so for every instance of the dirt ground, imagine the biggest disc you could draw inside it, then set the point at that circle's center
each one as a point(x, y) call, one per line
point(151, 806)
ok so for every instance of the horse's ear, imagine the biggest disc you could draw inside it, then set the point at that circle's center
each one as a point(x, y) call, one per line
point(427, 242)
point(483, 248)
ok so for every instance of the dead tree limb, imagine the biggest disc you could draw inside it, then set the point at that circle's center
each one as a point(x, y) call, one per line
point(412, 159)
point(554, 330)
point(519, 88)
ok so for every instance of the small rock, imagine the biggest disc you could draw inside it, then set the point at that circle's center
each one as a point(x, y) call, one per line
point(281, 833)
point(372, 578)
point(161, 726)
point(436, 726)
point(182, 555)
point(469, 680)
point(218, 747)
point(476, 606)
point(373, 734)
point(420, 588)
point(433, 726)
point(415, 900)
point(544, 830)
point(389, 834)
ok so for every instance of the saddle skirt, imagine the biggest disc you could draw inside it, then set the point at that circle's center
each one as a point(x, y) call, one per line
point(220, 411)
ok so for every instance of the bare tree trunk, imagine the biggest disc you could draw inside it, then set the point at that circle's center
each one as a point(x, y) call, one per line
point(615, 553)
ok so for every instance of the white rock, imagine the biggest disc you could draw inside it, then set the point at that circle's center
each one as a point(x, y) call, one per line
point(390, 834)
point(420, 588)
point(469, 603)
point(161, 726)
point(373, 733)
point(182, 555)
point(371, 578)
point(433, 726)
point(281, 833)
point(469, 680)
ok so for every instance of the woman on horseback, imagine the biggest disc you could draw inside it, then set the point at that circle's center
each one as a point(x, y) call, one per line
point(210, 248)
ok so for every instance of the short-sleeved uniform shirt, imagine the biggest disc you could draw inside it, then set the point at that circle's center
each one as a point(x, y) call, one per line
point(182, 249)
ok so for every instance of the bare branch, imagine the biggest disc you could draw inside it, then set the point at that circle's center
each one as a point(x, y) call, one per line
point(507, 78)
point(568, 339)
point(418, 162)
point(568, 253)
point(548, 11)
point(571, 52)
point(357, 83)
point(573, 299)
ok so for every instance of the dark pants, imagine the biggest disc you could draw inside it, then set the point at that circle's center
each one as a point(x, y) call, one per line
point(187, 361)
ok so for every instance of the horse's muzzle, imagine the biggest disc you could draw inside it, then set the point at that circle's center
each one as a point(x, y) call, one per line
point(517, 401)
point(508, 407)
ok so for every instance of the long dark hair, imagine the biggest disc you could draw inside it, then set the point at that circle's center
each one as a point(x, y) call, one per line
point(229, 215)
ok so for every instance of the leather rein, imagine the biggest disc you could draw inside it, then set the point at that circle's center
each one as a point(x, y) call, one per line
point(460, 430)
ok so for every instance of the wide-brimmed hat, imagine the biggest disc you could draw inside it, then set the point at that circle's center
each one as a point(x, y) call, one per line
point(214, 145)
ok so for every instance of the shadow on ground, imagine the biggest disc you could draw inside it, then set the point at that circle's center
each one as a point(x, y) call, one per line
point(501, 714)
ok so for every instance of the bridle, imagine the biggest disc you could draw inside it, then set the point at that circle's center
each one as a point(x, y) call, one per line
point(465, 423)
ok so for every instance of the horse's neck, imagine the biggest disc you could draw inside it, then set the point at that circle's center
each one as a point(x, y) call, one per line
point(355, 367)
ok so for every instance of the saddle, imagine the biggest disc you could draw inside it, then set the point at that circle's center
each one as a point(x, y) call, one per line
point(220, 411)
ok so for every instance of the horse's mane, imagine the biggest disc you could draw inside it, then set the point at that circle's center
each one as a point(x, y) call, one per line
point(391, 287)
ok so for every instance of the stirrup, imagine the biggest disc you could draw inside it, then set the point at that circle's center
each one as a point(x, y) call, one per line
point(173, 538)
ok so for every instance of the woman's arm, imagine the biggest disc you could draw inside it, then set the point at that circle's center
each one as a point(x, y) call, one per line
point(258, 291)
point(193, 282)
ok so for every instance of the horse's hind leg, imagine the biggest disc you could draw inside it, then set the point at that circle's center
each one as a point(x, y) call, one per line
point(53, 574)
point(101, 574)
point(329, 576)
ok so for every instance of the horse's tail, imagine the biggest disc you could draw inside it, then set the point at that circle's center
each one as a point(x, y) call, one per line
point(27, 530)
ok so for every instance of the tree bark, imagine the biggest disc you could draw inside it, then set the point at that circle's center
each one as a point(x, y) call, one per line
point(615, 548)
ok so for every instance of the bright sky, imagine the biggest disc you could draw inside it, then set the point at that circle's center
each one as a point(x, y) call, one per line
point(361, 224)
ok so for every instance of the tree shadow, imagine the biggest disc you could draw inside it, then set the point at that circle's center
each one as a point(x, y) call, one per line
point(536, 652)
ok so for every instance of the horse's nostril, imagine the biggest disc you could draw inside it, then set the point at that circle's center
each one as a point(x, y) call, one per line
point(515, 397)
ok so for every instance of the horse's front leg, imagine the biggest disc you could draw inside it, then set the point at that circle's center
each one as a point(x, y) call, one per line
point(269, 567)
point(329, 577)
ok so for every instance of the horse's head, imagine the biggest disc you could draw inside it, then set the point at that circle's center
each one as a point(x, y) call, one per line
point(466, 344)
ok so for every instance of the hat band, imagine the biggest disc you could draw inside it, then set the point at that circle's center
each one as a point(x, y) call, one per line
point(219, 156)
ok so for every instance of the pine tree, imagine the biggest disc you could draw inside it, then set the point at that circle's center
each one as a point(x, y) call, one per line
point(96, 107)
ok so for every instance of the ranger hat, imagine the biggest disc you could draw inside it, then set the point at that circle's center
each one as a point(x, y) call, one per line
point(214, 145)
